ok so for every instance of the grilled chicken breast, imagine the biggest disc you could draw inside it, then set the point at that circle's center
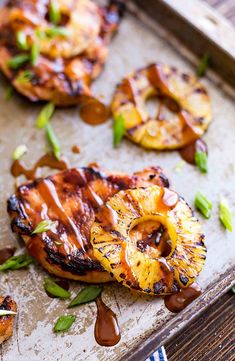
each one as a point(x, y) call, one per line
point(71, 53)
point(71, 199)
point(6, 322)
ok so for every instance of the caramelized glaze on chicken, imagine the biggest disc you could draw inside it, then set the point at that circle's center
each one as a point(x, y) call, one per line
point(70, 58)
point(71, 199)
point(7, 321)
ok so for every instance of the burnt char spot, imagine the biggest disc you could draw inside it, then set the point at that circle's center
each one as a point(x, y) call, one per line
point(122, 276)
point(158, 287)
point(75, 265)
point(93, 174)
point(5, 303)
point(165, 180)
point(17, 225)
point(184, 280)
point(147, 290)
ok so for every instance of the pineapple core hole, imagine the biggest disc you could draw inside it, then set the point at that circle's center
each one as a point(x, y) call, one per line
point(161, 108)
point(151, 237)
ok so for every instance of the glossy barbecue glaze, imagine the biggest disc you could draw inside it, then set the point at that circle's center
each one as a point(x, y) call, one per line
point(66, 65)
point(7, 322)
point(71, 198)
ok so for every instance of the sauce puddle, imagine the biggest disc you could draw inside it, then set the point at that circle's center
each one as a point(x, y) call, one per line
point(6, 253)
point(75, 149)
point(107, 332)
point(18, 167)
point(94, 112)
point(178, 301)
point(189, 151)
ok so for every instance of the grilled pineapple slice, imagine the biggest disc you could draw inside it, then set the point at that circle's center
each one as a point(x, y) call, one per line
point(148, 239)
point(184, 112)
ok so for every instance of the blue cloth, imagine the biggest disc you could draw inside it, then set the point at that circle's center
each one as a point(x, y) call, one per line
point(159, 355)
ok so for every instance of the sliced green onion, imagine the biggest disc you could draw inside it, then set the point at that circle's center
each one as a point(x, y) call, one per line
point(64, 323)
point(201, 161)
point(56, 31)
point(54, 12)
point(53, 140)
point(203, 205)
point(87, 294)
point(16, 262)
point(201, 70)
point(25, 76)
point(118, 129)
point(35, 51)
point(17, 61)
point(44, 226)
point(225, 214)
point(19, 151)
point(21, 39)
point(45, 115)
point(8, 92)
point(54, 289)
point(233, 289)
point(179, 166)
point(6, 313)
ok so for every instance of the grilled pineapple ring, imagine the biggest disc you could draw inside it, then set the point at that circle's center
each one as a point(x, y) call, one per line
point(184, 112)
point(159, 263)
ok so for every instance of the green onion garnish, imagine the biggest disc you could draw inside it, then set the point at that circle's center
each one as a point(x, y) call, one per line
point(53, 140)
point(87, 294)
point(25, 76)
point(118, 129)
point(54, 12)
point(35, 51)
point(225, 214)
point(16, 262)
point(201, 161)
point(56, 31)
point(179, 166)
point(6, 313)
point(54, 289)
point(203, 205)
point(8, 92)
point(17, 61)
point(45, 115)
point(233, 289)
point(201, 70)
point(44, 226)
point(64, 323)
point(21, 39)
point(19, 151)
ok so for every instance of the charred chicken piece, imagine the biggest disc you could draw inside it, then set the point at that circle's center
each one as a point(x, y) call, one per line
point(71, 55)
point(7, 321)
point(71, 199)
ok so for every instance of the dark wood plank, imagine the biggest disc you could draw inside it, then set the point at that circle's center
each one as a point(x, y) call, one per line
point(210, 337)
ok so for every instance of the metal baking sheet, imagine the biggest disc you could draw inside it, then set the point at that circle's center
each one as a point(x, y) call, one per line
point(144, 321)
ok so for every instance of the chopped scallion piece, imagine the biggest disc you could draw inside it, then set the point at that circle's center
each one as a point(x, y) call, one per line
point(64, 323)
point(35, 51)
point(201, 70)
point(56, 31)
point(225, 214)
point(87, 294)
point(17, 61)
point(179, 166)
point(8, 92)
point(118, 129)
point(203, 205)
point(201, 161)
point(54, 12)
point(45, 115)
point(21, 39)
point(25, 76)
point(54, 289)
point(44, 226)
point(53, 140)
point(233, 289)
point(6, 313)
point(16, 262)
point(19, 151)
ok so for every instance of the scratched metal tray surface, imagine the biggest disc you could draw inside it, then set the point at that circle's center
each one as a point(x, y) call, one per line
point(144, 321)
